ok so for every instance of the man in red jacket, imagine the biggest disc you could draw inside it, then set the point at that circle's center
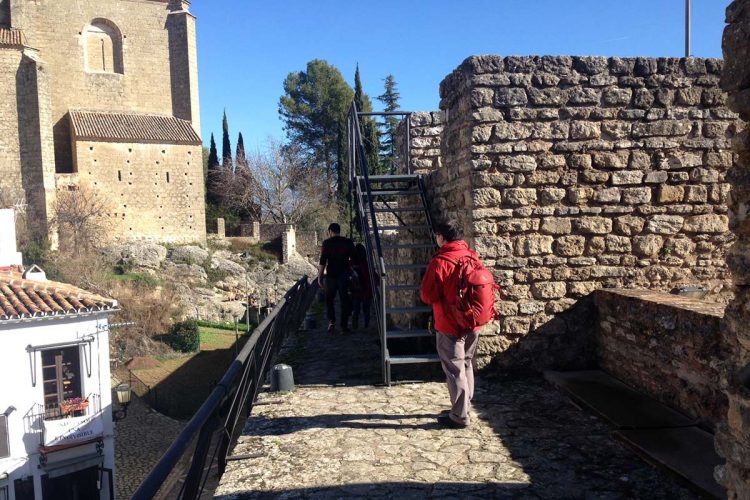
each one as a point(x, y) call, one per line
point(455, 346)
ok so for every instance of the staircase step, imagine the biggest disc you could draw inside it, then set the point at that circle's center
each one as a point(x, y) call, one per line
point(400, 209)
point(392, 228)
point(395, 192)
point(391, 178)
point(408, 310)
point(408, 245)
point(413, 359)
point(404, 267)
point(405, 334)
point(400, 288)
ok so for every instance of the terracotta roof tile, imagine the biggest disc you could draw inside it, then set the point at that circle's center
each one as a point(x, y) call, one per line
point(132, 127)
point(12, 37)
point(21, 298)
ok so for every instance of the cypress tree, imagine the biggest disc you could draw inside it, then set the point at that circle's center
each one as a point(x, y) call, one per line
point(226, 146)
point(213, 193)
point(370, 134)
point(239, 155)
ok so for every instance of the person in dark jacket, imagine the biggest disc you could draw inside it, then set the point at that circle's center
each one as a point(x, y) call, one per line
point(335, 258)
point(455, 346)
point(362, 289)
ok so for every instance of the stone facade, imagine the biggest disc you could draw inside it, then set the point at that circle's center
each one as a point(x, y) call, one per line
point(155, 190)
point(571, 174)
point(669, 346)
point(733, 436)
point(129, 58)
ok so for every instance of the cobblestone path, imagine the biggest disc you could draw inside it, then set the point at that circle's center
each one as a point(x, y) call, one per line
point(140, 441)
point(339, 436)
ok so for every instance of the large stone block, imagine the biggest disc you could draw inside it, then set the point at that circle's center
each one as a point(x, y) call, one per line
point(625, 177)
point(648, 245)
point(549, 290)
point(533, 245)
point(519, 196)
point(593, 225)
point(665, 224)
point(708, 223)
point(671, 194)
point(486, 197)
point(556, 226)
point(629, 225)
point(508, 97)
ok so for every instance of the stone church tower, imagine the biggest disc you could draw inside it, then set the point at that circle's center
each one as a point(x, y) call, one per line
point(103, 93)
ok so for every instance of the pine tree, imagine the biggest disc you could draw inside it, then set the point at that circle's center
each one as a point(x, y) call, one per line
point(370, 136)
point(213, 194)
point(389, 124)
point(314, 108)
point(226, 146)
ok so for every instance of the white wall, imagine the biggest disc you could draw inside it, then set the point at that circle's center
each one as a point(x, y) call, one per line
point(16, 389)
point(8, 254)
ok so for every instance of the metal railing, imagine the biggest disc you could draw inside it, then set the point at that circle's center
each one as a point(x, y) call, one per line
point(90, 405)
point(369, 224)
point(198, 457)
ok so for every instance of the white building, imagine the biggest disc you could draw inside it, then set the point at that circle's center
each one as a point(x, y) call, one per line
point(55, 402)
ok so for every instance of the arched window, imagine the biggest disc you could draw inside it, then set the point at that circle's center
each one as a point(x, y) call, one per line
point(102, 47)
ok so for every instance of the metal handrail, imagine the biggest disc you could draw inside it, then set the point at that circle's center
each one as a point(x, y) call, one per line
point(217, 423)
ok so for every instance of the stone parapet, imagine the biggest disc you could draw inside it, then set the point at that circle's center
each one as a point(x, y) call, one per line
point(668, 346)
point(733, 438)
point(571, 174)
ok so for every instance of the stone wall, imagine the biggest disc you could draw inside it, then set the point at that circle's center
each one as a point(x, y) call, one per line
point(733, 436)
point(270, 232)
point(307, 244)
point(571, 174)
point(156, 190)
point(668, 346)
point(425, 137)
point(26, 157)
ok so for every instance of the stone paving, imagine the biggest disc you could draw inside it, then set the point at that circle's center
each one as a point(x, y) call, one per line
point(339, 435)
point(140, 441)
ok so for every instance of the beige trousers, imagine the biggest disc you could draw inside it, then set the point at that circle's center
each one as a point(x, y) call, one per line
point(455, 355)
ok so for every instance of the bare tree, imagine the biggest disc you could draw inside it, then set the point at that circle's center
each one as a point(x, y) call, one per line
point(81, 215)
point(277, 184)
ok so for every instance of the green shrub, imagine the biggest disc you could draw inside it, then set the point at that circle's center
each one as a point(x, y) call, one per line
point(184, 337)
point(35, 252)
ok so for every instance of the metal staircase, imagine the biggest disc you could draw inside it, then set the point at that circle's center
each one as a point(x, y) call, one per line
point(393, 216)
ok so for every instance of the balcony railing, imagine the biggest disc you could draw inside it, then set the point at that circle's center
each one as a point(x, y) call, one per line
point(69, 409)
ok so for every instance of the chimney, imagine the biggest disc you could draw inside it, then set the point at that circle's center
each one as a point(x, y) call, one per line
point(9, 256)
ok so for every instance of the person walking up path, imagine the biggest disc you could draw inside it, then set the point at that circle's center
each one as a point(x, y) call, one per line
point(361, 288)
point(335, 257)
point(455, 346)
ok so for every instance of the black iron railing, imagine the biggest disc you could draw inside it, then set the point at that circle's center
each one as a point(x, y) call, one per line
point(197, 458)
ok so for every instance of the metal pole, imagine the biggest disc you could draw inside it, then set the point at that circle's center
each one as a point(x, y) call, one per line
point(687, 28)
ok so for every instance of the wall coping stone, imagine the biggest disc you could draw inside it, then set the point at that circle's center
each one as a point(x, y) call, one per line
point(666, 299)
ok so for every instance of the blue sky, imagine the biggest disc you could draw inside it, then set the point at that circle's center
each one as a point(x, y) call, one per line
point(247, 47)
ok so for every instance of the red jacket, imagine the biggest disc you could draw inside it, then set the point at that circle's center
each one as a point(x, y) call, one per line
point(438, 289)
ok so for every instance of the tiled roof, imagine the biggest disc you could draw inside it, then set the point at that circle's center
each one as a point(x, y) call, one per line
point(132, 127)
point(12, 37)
point(22, 299)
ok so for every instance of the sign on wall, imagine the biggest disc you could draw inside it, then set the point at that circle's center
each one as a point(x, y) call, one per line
point(70, 430)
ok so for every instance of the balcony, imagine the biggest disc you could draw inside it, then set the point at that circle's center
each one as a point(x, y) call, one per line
point(70, 423)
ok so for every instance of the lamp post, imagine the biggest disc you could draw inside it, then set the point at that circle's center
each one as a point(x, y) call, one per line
point(123, 397)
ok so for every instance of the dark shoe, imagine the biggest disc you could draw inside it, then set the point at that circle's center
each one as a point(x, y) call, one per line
point(446, 421)
point(331, 327)
point(445, 412)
